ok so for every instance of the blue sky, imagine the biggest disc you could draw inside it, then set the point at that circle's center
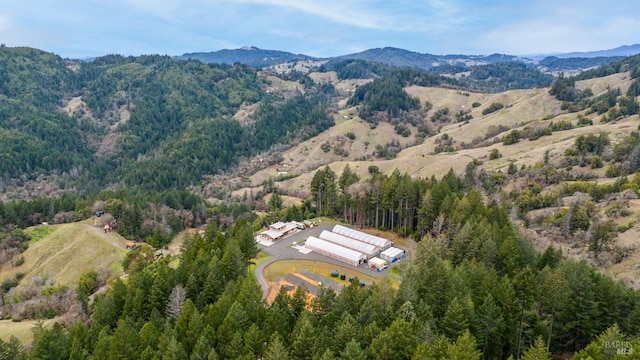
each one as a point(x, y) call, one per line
point(85, 28)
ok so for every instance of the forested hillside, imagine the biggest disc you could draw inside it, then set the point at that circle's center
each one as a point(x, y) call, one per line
point(34, 136)
point(150, 122)
point(475, 289)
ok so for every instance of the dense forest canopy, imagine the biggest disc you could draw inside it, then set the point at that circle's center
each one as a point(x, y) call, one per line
point(150, 121)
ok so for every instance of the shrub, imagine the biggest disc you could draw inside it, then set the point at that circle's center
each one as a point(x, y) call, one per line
point(441, 115)
point(492, 108)
point(350, 135)
point(596, 162)
point(613, 171)
point(495, 154)
point(476, 104)
point(584, 121)
point(20, 261)
point(512, 138)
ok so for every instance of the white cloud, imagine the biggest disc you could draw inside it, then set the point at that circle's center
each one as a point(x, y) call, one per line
point(375, 15)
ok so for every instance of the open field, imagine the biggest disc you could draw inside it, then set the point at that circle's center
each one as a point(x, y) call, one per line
point(65, 252)
point(22, 330)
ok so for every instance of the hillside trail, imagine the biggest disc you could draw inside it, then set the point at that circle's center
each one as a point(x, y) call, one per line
point(100, 232)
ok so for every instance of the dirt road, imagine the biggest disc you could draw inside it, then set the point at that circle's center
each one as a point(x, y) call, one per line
point(100, 232)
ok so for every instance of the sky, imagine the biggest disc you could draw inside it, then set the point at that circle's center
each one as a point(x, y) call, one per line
point(322, 28)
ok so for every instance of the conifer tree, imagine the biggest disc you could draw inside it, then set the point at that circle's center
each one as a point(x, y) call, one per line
point(455, 320)
point(537, 351)
point(353, 351)
point(276, 350)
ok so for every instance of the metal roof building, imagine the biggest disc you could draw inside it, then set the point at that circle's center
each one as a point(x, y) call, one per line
point(335, 251)
point(351, 243)
point(392, 254)
point(382, 243)
point(378, 264)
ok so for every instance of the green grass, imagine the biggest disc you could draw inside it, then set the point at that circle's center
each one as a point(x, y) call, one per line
point(21, 330)
point(37, 233)
point(64, 253)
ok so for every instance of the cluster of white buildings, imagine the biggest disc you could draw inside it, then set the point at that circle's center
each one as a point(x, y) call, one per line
point(355, 247)
point(350, 246)
point(279, 230)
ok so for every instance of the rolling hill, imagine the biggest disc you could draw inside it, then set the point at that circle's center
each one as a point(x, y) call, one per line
point(58, 254)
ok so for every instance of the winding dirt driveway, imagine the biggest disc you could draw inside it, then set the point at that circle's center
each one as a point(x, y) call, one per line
point(100, 232)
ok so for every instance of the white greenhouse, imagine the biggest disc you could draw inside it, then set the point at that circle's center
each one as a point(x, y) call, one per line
point(351, 243)
point(392, 254)
point(335, 251)
point(382, 243)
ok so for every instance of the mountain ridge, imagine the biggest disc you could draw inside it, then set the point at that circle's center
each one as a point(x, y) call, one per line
point(261, 58)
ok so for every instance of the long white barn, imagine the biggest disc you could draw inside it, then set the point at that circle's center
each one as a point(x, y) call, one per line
point(335, 251)
point(382, 243)
point(351, 243)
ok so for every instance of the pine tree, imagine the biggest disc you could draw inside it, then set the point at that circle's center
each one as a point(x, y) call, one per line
point(298, 301)
point(537, 351)
point(491, 323)
point(455, 320)
point(201, 349)
point(303, 338)
point(346, 331)
point(254, 340)
point(464, 348)
point(396, 342)
point(276, 350)
point(124, 342)
point(353, 351)
point(525, 288)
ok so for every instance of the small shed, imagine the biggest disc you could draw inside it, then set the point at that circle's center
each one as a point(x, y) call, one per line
point(130, 245)
point(393, 254)
point(107, 229)
point(378, 264)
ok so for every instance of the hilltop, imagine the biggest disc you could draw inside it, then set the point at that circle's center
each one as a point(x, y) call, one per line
point(284, 61)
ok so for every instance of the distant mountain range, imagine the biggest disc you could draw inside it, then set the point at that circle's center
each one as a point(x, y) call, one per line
point(626, 50)
point(260, 58)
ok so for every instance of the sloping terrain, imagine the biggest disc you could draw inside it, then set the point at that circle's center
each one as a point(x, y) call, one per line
point(65, 252)
point(474, 140)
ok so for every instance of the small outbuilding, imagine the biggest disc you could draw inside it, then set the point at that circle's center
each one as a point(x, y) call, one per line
point(393, 254)
point(335, 251)
point(378, 264)
point(278, 230)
